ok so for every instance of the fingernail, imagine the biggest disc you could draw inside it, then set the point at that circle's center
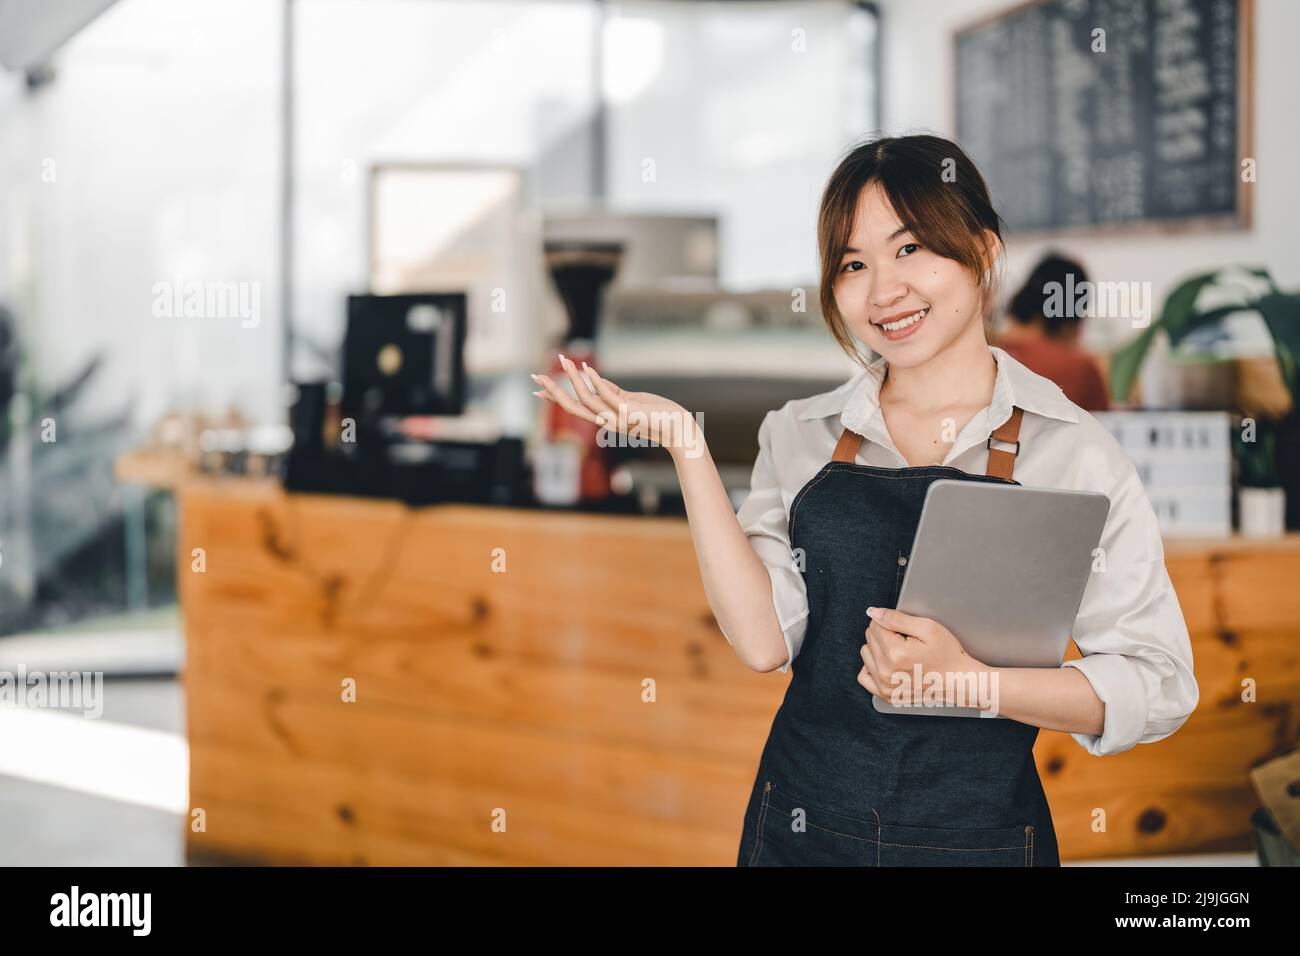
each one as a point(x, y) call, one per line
point(535, 379)
point(562, 358)
point(873, 611)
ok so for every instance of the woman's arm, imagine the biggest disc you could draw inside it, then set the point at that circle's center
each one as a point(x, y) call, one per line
point(736, 581)
point(1130, 629)
point(899, 646)
point(1054, 699)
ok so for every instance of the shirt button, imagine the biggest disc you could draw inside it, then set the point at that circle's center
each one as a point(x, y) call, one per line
point(902, 559)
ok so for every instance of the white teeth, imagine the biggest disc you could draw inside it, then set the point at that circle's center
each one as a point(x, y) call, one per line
point(904, 323)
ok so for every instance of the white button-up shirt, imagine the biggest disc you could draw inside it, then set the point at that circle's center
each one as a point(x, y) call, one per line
point(1130, 628)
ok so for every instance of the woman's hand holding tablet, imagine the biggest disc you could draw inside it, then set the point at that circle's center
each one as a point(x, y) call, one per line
point(901, 648)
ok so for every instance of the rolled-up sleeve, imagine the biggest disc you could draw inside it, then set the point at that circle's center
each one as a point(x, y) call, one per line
point(1137, 653)
point(763, 518)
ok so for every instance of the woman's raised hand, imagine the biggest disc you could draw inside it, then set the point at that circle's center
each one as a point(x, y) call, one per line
point(640, 415)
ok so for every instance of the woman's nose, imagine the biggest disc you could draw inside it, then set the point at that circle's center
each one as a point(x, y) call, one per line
point(887, 290)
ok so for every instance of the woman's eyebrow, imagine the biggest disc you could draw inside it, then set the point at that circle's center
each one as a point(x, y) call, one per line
point(900, 231)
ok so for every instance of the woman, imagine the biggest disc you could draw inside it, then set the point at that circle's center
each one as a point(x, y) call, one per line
point(908, 243)
point(1045, 338)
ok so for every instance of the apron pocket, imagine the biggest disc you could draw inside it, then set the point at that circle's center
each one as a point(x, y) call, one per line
point(790, 832)
point(946, 846)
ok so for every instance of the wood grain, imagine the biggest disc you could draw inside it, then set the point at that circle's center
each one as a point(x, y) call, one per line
point(519, 692)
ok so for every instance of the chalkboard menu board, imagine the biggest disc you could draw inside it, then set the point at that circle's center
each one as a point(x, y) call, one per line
point(1095, 113)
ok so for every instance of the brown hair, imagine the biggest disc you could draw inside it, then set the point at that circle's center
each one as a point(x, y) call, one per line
point(935, 191)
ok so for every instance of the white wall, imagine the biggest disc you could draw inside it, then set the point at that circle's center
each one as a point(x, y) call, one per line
point(439, 83)
point(917, 89)
point(151, 157)
point(743, 110)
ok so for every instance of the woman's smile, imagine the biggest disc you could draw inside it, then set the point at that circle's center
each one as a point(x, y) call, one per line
point(903, 327)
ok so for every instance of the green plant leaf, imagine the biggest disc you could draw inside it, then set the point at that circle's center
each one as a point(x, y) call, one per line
point(1174, 320)
point(1198, 319)
point(1263, 273)
point(1178, 317)
point(1281, 313)
point(1125, 363)
point(1257, 459)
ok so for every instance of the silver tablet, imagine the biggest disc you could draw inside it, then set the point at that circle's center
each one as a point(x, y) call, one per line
point(1004, 568)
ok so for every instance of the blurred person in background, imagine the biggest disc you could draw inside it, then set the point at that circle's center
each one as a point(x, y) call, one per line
point(1046, 339)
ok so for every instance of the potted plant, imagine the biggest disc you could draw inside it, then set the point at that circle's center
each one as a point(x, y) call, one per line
point(1261, 500)
point(1274, 458)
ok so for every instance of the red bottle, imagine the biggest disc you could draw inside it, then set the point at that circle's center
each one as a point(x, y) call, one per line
point(561, 426)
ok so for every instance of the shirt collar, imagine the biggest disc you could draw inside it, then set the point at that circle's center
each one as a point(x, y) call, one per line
point(857, 400)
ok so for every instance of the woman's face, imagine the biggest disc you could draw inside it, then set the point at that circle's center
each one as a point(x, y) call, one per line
point(897, 297)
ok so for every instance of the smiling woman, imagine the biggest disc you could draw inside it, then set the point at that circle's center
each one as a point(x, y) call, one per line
point(909, 243)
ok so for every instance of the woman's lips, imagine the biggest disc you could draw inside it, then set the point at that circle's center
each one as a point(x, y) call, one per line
point(914, 322)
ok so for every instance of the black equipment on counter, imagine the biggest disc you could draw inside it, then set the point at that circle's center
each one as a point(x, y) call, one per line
point(307, 417)
point(404, 355)
point(418, 473)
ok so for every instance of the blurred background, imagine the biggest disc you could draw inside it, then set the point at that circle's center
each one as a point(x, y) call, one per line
point(293, 566)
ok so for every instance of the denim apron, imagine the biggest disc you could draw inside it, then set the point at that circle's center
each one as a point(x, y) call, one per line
point(841, 784)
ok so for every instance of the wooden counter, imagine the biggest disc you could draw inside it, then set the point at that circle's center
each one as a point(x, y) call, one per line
point(501, 660)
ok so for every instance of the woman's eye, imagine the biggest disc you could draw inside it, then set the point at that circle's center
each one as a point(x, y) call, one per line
point(855, 262)
point(911, 245)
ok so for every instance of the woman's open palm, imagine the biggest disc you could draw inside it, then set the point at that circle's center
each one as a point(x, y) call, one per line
point(642, 415)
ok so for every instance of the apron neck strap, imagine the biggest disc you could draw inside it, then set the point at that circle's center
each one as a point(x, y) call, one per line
point(846, 449)
point(1001, 462)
